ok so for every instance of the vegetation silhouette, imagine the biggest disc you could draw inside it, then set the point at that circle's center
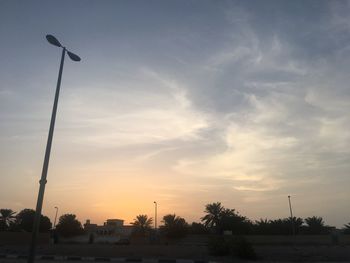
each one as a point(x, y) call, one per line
point(7, 217)
point(198, 229)
point(230, 220)
point(142, 225)
point(346, 228)
point(316, 225)
point(25, 220)
point(277, 226)
point(174, 226)
point(216, 220)
point(213, 216)
point(219, 219)
point(69, 226)
point(220, 245)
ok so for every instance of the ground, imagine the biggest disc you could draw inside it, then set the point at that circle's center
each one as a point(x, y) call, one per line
point(266, 253)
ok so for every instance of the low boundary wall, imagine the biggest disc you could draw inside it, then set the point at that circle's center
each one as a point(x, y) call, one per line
point(330, 239)
point(22, 238)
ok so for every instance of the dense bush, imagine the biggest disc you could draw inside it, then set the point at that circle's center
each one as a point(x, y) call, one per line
point(220, 219)
point(346, 229)
point(174, 226)
point(316, 226)
point(242, 248)
point(25, 221)
point(277, 226)
point(198, 229)
point(69, 226)
point(234, 246)
point(218, 246)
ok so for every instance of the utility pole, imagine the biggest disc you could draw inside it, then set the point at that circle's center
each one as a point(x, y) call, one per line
point(52, 40)
point(291, 215)
point(155, 215)
point(54, 224)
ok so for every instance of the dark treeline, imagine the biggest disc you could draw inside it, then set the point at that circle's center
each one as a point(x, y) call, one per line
point(216, 220)
point(22, 221)
point(219, 219)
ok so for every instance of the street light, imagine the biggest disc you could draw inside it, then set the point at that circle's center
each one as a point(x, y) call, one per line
point(155, 215)
point(54, 224)
point(52, 40)
point(291, 215)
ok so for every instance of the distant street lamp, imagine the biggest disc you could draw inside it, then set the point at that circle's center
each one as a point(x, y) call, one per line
point(155, 215)
point(54, 224)
point(52, 40)
point(291, 215)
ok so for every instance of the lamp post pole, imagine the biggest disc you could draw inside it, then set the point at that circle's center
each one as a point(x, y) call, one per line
point(155, 215)
point(54, 224)
point(31, 257)
point(291, 215)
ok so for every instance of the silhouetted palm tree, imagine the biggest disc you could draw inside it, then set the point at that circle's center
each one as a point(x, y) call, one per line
point(314, 222)
point(262, 226)
point(142, 224)
point(315, 225)
point(7, 216)
point(347, 228)
point(174, 226)
point(296, 224)
point(281, 226)
point(230, 220)
point(198, 228)
point(172, 219)
point(213, 212)
point(262, 222)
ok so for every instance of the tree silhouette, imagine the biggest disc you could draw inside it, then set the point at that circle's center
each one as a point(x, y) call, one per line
point(212, 218)
point(142, 224)
point(277, 226)
point(7, 217)
point(25, 220)
point(262, 226)
point(316, 225)
point(219, 219)
point(297, 223)
point(233, 221)
point(314, 222)
point(69, 226)
point(174, 226)
point(198, 228)
point(346, 229)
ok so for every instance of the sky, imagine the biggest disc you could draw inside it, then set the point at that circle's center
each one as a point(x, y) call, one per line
point(180, 102)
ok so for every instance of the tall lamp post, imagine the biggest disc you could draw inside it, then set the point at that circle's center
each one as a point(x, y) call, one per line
point(155, 215)
point(291, 215)
point(54, 223)
point(52, 40)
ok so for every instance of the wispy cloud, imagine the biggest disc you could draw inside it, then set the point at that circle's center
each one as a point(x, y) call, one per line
point(161, 114)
